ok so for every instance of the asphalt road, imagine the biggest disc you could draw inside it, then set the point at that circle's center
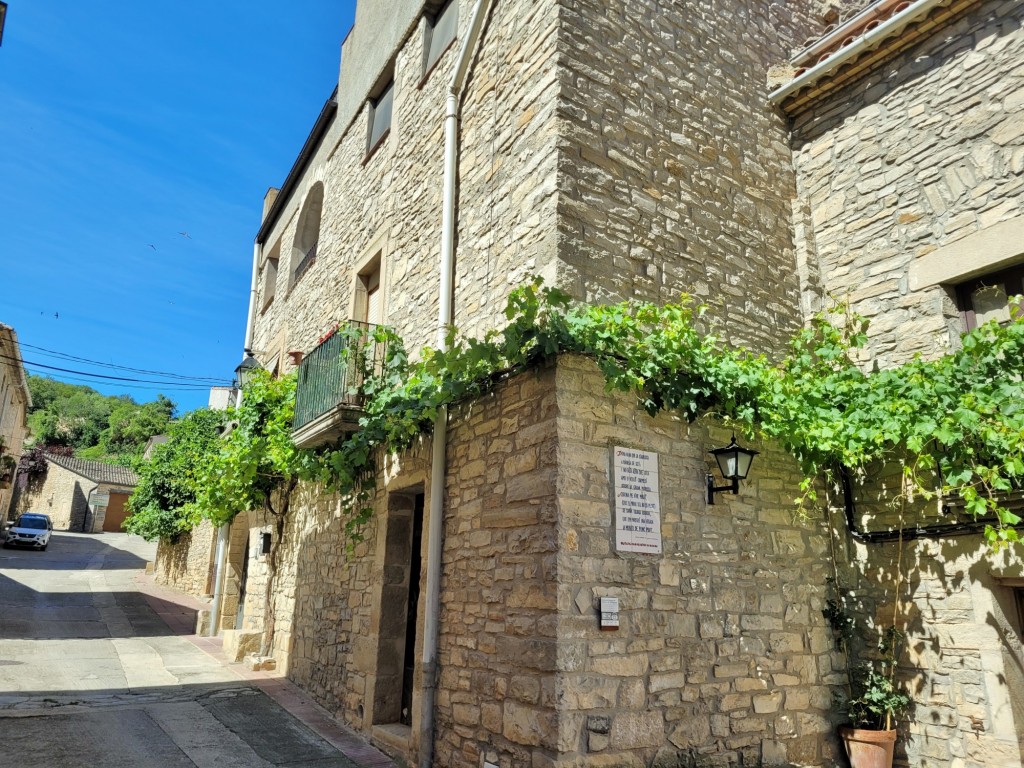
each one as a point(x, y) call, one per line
point(91, 676)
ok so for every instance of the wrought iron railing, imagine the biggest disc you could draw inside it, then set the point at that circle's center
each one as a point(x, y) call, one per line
point(332, 373)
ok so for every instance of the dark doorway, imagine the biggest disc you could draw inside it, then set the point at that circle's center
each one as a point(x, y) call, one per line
point(399, 610)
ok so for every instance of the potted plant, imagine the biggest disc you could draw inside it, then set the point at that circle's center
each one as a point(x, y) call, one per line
point(875, 705)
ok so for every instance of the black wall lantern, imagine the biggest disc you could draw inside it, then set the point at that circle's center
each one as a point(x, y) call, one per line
point(246, 368)
point(734, 463)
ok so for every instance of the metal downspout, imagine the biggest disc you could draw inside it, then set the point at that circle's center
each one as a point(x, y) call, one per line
point(222, 531)
point(445, 317)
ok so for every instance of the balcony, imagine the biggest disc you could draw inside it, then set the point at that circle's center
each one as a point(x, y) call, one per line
point(327, 399)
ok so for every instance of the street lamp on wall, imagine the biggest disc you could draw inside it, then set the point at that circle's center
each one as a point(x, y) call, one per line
point(734, 463)
point(245, 370)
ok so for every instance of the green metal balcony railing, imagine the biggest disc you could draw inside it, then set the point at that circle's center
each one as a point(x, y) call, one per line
point(331, 374)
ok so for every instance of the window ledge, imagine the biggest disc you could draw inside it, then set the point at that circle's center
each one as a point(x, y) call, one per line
point(992, 248)
point(373, 150)
point(432, 67)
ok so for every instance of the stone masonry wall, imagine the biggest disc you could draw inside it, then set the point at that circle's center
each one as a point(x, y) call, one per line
point(963, 660)
point(390, 201)
point(723, 656)
point(674, 172)
point(62, 495)
point(499, 692)
point(187, 564)
point(924, 152)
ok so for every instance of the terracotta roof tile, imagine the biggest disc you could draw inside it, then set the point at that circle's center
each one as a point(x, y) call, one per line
point(96, 471)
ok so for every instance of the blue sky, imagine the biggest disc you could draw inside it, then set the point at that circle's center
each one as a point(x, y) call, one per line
point(125, 124)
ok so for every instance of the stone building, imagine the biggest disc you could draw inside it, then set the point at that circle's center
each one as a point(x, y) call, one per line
point(15, 400)
point(909, 155)
point(80, 495)
point(632, 150)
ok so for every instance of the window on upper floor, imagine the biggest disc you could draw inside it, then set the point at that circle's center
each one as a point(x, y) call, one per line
point(270, 276)
point(380, 117)
point(987, 298)
point(368, 306)
point(440, 34)
point(307, 236)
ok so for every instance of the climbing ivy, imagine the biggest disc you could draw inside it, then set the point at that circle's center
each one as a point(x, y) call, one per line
point(961, 416)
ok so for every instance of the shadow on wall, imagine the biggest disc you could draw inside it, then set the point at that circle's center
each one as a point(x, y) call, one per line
point(79, 518)
point(959, 604)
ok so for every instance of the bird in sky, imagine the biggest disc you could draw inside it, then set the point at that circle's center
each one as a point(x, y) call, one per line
point(151, 246)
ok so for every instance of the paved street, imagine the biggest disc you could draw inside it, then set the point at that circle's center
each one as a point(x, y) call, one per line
point(91, 676)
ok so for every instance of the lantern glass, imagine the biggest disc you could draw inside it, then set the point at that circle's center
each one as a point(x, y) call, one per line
point(245, 370)
point(734, 460)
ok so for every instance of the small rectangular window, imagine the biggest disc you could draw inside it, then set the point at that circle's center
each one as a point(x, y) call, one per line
point(380, 116)
point(441, 32)
point(269, 282)
point(987, 298)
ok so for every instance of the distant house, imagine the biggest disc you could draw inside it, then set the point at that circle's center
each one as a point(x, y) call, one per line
point(15, 401)
point(80, 495)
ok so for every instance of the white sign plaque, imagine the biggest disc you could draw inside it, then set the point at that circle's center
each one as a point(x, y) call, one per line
point(637, 501)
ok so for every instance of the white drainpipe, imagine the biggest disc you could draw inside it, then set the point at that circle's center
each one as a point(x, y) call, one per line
point(445, 317)
point(222, 531)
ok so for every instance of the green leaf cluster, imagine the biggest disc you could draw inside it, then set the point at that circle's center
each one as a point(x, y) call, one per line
point(163, 504)
point(96, 426)
point(961, 416)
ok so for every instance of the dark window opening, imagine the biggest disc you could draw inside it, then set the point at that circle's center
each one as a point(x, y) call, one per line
point(987, 298)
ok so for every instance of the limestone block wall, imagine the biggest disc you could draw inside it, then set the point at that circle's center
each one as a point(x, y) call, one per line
point(61, 494)
point(723, 656)
point(898, 166)
point(499, 693)
point(959, 603)
point(389, 202)
point(187, 564)
point(674, 173)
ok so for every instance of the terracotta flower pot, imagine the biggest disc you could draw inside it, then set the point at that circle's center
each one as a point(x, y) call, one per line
point(867, 748)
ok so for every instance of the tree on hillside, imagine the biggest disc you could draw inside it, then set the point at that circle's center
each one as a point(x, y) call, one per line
point(96, 426)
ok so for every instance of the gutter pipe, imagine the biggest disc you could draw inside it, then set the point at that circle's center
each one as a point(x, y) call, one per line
point(940, 531)
point(445, 318)
point(222, 531)
point(862, 43)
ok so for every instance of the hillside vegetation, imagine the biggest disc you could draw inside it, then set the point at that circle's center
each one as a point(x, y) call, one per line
point(95, 426)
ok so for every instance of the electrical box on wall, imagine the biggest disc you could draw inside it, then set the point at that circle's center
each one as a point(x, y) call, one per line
point(609, 613)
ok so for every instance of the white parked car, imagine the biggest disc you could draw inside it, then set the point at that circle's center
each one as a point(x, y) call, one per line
point(32, 529)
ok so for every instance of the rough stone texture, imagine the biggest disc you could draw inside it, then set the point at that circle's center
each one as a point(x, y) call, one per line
point(674, 171)
point(64, 496)
point(506, 226)
point(13, 403)
point(187, 564)
point(722, 643)
point(925, 151)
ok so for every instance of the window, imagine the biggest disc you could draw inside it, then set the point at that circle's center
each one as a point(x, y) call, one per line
point(270, 276)
point(307, 236)
point(369, 302)
point(441, 31)
point(380, 116)
point(987, 298)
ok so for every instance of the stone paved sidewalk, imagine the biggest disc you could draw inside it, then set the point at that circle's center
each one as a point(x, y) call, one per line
point(179, 611)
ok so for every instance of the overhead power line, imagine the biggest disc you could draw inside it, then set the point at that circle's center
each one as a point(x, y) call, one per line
point(107, 377)
point(153, 388)
point(66, 356)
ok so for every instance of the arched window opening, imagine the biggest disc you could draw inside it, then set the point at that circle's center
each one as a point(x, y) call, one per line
point(307, 237)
